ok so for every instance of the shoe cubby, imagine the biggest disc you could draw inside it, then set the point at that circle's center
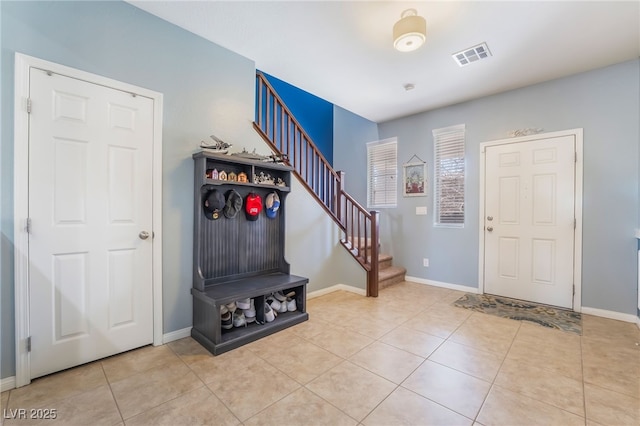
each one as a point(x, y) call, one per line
point(238, 258)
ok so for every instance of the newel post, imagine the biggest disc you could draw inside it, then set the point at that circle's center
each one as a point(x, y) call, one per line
point(372, 282)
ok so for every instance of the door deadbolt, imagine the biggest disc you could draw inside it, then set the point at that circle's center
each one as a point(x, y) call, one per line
point(489, 218)
point(143, 235)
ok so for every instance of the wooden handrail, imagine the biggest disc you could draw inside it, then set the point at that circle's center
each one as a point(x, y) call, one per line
point(277, 126)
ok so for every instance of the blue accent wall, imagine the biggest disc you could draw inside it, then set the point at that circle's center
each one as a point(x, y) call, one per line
point(314, 114)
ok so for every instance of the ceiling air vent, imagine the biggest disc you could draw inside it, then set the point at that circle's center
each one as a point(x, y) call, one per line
point(472, 54)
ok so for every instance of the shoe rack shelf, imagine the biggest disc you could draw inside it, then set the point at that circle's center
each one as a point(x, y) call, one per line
point(237, 258)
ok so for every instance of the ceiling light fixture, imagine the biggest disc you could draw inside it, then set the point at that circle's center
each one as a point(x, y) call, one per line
point(410, 32)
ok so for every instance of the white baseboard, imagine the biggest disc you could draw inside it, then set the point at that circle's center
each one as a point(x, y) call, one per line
point(457, 287)
point(610, 314)
point(336, 287)
point(7, 383)
point(176, 335)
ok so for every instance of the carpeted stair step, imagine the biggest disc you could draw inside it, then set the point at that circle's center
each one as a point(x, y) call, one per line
point(390, 275)
point(384, 261)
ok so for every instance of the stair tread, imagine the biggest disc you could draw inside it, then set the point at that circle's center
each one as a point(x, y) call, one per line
point(391, 271)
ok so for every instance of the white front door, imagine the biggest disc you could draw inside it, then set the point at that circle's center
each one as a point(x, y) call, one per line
point(529, 220)
point(90, 198)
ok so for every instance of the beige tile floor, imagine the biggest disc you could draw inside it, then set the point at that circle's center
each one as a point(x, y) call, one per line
point(407, 357)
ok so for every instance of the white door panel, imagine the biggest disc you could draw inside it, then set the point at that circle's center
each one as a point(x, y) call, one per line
point(529, 221)
point(90, 150)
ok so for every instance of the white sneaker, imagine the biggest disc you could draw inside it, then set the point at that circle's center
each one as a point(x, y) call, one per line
point(291, 305)
point(250, 313)
point(283, 307)
point(281, 297)
point(243, 303)
point(275, 304)
point(269, 316)
point(239, 319)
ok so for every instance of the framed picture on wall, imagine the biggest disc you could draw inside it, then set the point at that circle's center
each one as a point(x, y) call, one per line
point(415, 179)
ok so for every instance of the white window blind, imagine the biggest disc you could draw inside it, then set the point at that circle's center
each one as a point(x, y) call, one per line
point(382, 173)
point(449, 176)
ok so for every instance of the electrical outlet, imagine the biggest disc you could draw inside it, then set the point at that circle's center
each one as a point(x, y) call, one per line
point(425, 262)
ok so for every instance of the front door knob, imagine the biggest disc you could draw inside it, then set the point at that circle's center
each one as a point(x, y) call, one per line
point(489, 228)
point(143, 235)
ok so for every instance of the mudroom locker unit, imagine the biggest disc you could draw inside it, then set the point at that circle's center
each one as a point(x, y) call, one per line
point(238, 255)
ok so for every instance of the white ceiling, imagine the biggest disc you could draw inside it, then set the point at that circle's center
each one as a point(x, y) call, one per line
point(342, 51)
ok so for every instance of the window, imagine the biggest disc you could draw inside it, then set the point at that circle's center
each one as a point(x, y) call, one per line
point(448, 156)
point(382, 173)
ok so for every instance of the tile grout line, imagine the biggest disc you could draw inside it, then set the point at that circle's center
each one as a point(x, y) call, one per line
point(493, 382)
point(203, 385)
point(115, 401)
point(584, 390)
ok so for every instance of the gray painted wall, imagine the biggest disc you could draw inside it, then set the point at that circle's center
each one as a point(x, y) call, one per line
point(351, 133)
point(605, 103)
point(207, 89)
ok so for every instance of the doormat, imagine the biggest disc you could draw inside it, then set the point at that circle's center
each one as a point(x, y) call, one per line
point(544, 315)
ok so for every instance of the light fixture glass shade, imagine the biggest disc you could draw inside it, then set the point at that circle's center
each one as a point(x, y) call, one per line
point(410, 32)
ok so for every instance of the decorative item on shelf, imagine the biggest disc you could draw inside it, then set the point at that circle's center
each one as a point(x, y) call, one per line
point(212, 174)
point(232, 177)
point(525, 132)
point(250, 155)
point(278, 158)
point(415, 178)
point(222, 175)
point(263, 179)
point(242, 177)
point(280, 182)
point(217, 145)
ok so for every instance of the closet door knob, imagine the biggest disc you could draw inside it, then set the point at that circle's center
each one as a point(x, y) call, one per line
point(143, 235)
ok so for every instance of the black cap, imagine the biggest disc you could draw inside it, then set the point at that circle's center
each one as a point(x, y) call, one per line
point(213, 204)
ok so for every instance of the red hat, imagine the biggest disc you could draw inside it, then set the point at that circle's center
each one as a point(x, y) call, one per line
point(252, 206)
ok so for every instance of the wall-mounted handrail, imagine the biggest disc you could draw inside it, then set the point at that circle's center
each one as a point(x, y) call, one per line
point(283, 133)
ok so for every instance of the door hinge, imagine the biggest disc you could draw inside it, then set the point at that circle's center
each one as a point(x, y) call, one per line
point(28, 343)
point(575, 223)
point(28, 105)
point(574, 289)
point(28, 227)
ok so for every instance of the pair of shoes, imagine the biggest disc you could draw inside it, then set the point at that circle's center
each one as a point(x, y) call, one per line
point(238, 319)
point(277, 305)
point(243, 303)
point(291, 302)
point(279, 296)
point(226, 321)
point(231, 307)
point(250, 312)
point(269, 314)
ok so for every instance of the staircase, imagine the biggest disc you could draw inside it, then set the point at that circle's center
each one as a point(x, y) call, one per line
point(281, 131)
point(387, 273)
